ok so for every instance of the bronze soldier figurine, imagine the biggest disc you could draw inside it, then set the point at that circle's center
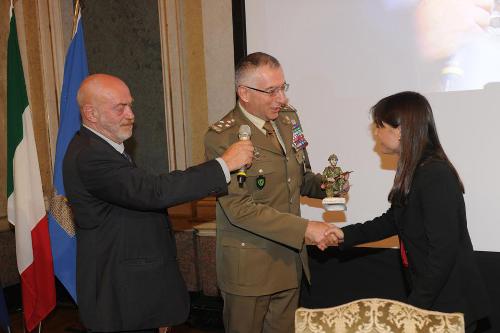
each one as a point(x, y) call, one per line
point(334, 180)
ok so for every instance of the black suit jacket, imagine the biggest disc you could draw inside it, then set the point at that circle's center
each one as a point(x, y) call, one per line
point(433, 228)
point(127, 272)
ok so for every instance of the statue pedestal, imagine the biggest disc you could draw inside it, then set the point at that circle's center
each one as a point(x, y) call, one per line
point(334, 204)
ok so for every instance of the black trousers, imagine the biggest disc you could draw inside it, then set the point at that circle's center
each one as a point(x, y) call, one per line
point(471, 328)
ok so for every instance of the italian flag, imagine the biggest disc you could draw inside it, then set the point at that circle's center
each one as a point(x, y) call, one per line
point(25, 205)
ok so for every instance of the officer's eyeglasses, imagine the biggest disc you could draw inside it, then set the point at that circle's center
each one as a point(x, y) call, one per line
point(272, 92)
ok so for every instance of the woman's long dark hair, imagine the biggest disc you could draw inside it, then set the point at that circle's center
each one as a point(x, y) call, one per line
point(419, 139)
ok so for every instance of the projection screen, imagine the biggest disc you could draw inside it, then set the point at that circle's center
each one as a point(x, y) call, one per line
point(341, 56)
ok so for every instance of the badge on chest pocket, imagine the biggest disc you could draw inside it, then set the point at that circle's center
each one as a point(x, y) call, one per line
point(260, 182)
point(260, 178)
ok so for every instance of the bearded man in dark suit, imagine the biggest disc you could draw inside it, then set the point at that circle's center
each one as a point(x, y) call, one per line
point(127, 273)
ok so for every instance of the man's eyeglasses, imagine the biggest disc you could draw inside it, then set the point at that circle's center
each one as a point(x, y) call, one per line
point(272, 92)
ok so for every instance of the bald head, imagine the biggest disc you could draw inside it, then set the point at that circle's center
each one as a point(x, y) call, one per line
point(106, 106)
point(96, 86)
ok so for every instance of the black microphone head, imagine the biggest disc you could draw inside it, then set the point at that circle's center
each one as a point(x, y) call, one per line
point(245, 132)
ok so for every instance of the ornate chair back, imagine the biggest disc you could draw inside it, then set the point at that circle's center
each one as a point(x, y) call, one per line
point(375, 315)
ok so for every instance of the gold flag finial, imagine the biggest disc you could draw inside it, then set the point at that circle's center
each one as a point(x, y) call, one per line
point(75, 16)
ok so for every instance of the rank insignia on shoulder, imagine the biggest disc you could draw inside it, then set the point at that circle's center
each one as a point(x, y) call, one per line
point(222, 125)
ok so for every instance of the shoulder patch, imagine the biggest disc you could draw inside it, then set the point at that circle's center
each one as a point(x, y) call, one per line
point(288, 108)
point(223, 124)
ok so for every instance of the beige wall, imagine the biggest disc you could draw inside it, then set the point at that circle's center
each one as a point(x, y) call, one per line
point(219, 58)
point(195, 87)
point(207, 52)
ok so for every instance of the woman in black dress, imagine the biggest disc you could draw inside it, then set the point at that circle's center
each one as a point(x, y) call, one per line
point(427, 212)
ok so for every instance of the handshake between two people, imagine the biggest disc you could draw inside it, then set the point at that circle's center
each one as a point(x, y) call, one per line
point(323, 235)
point(240, 155)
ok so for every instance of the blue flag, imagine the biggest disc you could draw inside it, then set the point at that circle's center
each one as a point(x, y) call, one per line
point(4, 314)
point(61, 225)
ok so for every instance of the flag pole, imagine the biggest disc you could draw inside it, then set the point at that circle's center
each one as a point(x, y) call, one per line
point(11, 13)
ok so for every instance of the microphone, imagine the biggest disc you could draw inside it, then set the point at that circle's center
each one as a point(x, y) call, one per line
point(243, 134)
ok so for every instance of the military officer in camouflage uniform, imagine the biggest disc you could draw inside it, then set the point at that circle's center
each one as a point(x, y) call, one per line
point(261, 253)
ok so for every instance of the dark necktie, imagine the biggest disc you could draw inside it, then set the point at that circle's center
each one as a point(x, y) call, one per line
point(271, 134)
point(127, 157)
